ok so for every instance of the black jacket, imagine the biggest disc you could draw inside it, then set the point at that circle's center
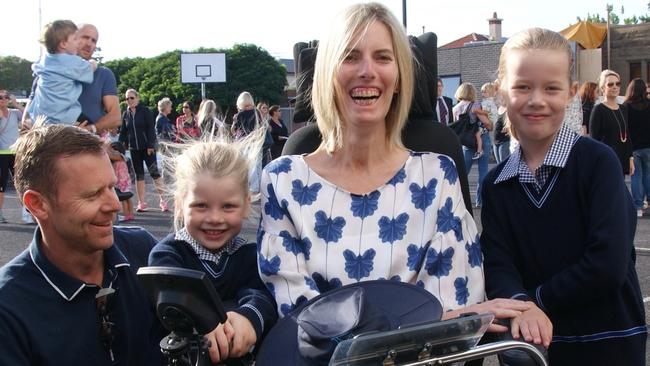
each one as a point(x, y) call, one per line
point(138, 132)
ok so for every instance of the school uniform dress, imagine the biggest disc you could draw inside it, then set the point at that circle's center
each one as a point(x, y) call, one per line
point(315, 236)
point(232, 270)
point(563, 238)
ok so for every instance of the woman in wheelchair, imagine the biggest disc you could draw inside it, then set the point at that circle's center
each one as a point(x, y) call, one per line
point(363, 207)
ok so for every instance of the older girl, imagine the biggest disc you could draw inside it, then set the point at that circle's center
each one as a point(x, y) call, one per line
point(558, 222)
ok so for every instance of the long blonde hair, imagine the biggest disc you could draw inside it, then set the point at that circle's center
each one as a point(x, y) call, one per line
point(349, 27)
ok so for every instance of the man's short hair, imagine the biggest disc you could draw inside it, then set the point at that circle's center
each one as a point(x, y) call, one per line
point(38, 151)
point(56, 32)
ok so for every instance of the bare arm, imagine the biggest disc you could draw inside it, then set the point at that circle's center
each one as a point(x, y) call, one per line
point(112, 117)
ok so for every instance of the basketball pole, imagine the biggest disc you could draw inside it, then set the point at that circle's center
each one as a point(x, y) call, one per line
point(202, 91)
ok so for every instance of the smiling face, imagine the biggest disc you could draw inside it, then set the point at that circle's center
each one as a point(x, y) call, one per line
point(81, 215)
point(537, 90)
point(367, 78)
point(213, 210)
point(132, 99)
point(611, 87)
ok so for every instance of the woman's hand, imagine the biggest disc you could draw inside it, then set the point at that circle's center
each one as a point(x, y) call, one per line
point(533, 325)
point(245, 336)
point(631, 166)
point(221, 339)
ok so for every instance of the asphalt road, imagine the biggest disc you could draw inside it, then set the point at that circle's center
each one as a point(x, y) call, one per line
point(15, 236)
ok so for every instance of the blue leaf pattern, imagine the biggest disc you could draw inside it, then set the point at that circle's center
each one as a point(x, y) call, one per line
point(305, 195)
point(415, 257)
point(391, 230)
point(359, 266)
point(269, 267)
point(462, 293)
point(447, 221)
point(447, 165)
point(327, 229)
point(396, 278)
point(323, 285)
point(310, 283)
point(281, 165)
point(474, 255)
point(285, 309)
point(364, 205)
point(439, 263)
point(422, 197)
point(273, 208)
point(295, 245)
point(398, 177)
point(420, 284)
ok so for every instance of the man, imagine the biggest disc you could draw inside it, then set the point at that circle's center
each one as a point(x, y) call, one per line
point(444, 107)
point(72, 297)
point(99, 101)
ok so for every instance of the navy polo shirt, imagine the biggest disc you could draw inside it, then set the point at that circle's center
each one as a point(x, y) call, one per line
point(50, 318)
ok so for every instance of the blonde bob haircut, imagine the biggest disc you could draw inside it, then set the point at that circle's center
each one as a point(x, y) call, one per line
point(348, 28)
point(528, 40)
point(603, 77)
point(466, 92)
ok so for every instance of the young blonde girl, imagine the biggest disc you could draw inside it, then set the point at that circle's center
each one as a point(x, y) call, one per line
point(211, 201)
point(558, 221)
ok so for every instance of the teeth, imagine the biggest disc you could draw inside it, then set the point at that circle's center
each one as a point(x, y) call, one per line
point(364, 93)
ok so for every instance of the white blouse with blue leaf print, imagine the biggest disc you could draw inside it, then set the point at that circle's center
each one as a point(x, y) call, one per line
point(314, 236)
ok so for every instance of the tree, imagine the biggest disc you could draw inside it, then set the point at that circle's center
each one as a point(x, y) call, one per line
point(15, 74)
point(122, 66)
point(248, 67)
point(615, 19)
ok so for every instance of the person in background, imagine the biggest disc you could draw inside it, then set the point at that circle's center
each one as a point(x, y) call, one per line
point(246, 120)
point(444, 106)
point(209, 124)
point(212, 200)
point(279, 131)
point(608, 122)
point(72, 297)
point(60, 74)
point(187, 127)
point(466, 95)
point(638, 109)
point(588, 94)
point(165, 130)
point(138, 133)
point(263, 108)
point(501, 135)
point(558, 222)
point(117, 154)
point(9, 130)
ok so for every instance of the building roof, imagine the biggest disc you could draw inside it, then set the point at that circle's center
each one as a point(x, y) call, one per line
point(589, 35)
point(460, 42)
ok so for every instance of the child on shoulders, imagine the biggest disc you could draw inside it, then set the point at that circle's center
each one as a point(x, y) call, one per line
point(60, 74)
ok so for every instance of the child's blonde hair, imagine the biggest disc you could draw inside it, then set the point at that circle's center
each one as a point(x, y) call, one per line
point(56, 32)
point(528, 40)
point(218, 156)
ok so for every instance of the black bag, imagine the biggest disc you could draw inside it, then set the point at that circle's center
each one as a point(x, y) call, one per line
point(465, 129)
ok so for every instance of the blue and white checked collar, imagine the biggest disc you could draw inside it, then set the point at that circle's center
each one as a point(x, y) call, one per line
point(556, 156)
point(204, 254)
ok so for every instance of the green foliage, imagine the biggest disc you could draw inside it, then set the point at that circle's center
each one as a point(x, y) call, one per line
point(615, 19)
point(15, 74)
point(248, 68)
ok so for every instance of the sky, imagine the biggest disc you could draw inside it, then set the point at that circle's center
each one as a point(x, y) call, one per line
point(130, 28)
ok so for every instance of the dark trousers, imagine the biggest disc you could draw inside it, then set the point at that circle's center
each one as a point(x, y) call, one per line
point(140, 156)
point(6, 165)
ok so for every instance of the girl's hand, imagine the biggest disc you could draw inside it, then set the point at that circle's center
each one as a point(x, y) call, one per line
point(631, 166)
point(533, 325)
point(221, 339)
point(245, 336)
point(501, 308)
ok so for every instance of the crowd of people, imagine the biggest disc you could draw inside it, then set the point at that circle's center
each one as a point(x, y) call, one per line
point(554, 262)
